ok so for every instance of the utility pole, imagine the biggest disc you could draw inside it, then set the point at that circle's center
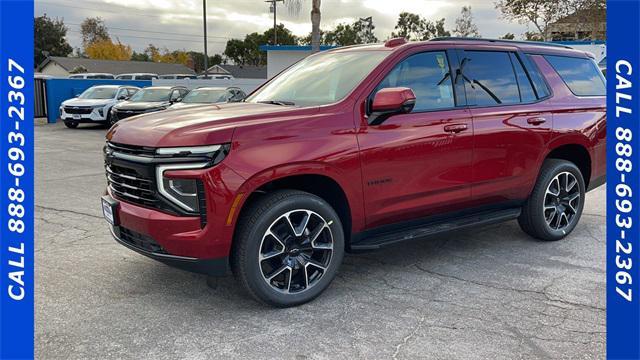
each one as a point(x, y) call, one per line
point(274, 9)
point(204, 21)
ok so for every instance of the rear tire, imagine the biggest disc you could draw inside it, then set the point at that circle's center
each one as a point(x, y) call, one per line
point(288, 248)
point(556, 203)
point(71, 124)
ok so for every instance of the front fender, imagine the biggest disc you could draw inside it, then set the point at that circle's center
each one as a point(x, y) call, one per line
point(350, 187)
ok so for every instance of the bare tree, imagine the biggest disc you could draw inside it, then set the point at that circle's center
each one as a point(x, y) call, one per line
point(294, 7)
point(464, 24)
point(539, 13)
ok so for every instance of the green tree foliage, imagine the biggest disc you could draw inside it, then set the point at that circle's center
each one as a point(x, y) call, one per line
point(359, 32)
point(247, 51)
point(140, 56)
point(508, 36)
point(415, 27)
point(49, 37)
point(93, 30)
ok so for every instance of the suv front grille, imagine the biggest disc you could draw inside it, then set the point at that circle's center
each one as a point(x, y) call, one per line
point(131, 177)
point(123, 114)
point(131, 185)
point(78, 110)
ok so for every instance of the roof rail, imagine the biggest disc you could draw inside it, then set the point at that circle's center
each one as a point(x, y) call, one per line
point(538, 43)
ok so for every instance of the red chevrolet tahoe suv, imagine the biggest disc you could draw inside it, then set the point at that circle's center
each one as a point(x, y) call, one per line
point(357, 148)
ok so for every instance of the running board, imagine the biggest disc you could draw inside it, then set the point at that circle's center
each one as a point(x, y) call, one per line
point(383, 239)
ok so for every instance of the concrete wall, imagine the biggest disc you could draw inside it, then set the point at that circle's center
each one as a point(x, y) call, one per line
point(59, 90)
point(282, 59)
point(247, 85)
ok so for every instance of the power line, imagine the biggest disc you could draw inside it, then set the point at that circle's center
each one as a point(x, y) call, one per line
point(155, 38)
point(155, 32)
point(100, 10)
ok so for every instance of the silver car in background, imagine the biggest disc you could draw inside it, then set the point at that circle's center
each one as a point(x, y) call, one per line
point(209, 95)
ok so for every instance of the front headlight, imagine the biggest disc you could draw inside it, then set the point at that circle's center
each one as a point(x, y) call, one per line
point(211, 153)
point(187, 193)
point(182, 192)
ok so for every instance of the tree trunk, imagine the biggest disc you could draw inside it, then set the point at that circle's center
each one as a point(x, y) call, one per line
point(315, 26)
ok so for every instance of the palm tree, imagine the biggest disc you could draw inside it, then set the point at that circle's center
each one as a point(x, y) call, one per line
point(294, 7)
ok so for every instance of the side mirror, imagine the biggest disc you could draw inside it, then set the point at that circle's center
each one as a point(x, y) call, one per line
point(389, 102)
point(122, 97)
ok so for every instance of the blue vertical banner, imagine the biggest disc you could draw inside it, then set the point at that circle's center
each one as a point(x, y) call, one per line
point(16, 180)
point(623, 179)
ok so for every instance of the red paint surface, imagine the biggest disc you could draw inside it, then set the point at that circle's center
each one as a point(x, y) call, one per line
point(410, 166)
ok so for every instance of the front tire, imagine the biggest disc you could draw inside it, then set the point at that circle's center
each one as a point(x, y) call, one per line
point(556, 203)
point(288, 248)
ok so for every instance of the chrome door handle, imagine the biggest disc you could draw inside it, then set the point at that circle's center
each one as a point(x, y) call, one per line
point(455, 128)
point(536, 121)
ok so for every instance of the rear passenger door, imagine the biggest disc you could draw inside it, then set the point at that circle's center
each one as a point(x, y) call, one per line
point(512, 123)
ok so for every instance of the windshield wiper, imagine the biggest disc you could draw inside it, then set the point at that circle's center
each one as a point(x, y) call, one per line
point(277, 102)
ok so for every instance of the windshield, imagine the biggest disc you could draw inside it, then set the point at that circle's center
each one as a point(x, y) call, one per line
point(320, 79)
point(99, 93)
point(205, 97)
point(151, 95)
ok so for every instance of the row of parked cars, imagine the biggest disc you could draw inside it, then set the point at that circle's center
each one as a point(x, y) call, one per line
point(145, 76)
point(109, 103)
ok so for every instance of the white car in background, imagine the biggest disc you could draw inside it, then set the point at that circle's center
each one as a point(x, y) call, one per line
point(104, 76)
point(178, 76)
point(137, 76)
point(209, 95)
point(94, 104)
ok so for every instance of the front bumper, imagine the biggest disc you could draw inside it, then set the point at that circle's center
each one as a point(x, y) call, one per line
point(183, 238)
point(94, 116)
point(214, 267)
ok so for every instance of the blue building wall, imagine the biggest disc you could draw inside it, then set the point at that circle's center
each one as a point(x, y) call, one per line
point(59, 90)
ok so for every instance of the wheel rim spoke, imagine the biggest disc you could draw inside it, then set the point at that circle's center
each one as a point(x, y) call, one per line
point(562, 201)
point(296, 250)
point(277, 272)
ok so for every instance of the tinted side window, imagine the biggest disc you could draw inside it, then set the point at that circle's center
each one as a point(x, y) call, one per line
point(526, 89)
point(582, 76)
point(538, 82)
point(125, 77)
point(427, 74)
point(493, 81)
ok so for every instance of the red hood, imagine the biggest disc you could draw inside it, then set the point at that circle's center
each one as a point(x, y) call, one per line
point(202, 125)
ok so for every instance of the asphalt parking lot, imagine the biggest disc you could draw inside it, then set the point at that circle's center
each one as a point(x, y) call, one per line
point(489, 293)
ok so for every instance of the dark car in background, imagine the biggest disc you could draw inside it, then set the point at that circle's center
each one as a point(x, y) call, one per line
point(210, 95)
point(150, 99)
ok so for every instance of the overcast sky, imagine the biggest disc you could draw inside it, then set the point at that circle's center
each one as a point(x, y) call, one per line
point(178, 24)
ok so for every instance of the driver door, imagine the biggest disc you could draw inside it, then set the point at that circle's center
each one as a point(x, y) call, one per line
point(419, 164)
